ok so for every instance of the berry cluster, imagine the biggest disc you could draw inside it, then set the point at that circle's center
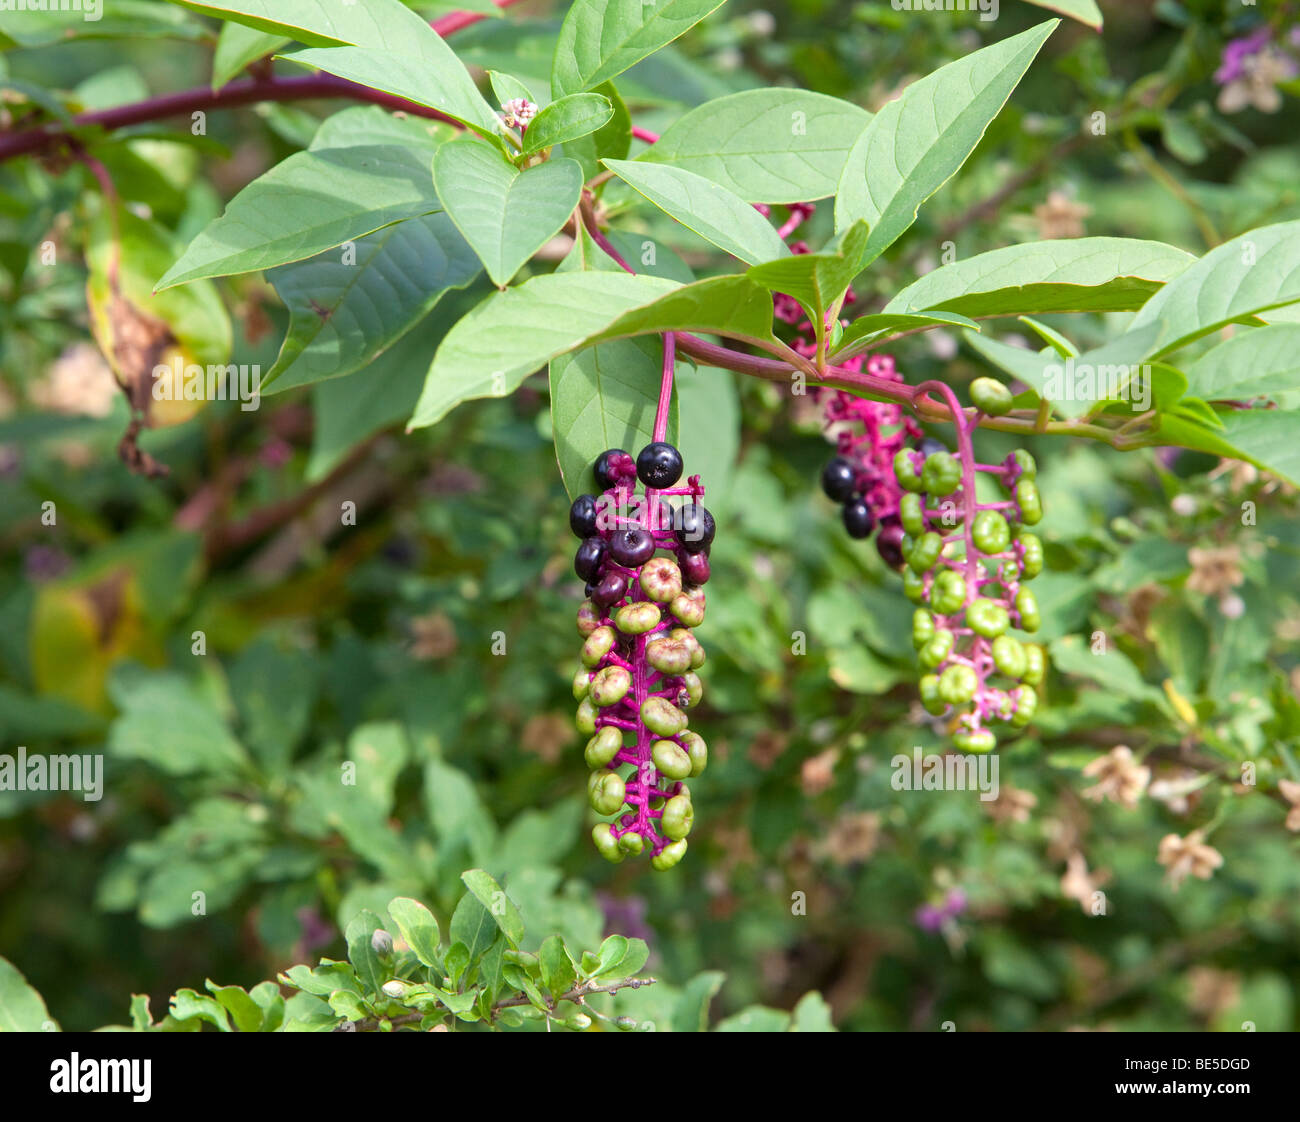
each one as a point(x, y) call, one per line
point(640, 656)
point(860, 477)
point(971, 583)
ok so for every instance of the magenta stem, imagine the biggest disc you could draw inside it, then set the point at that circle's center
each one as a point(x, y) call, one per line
point(666, 386)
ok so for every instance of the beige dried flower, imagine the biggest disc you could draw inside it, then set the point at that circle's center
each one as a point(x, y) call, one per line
point(1214, 570)
point(432, 636)
point(1189, 856)
point(79, 382)
point(546, 735)
point(1211, 991)
point(767, 747)
point(852, 838)
point(1080, 885)
point(1119, 778)
point(1011, 805)
point(1061, 217)
point(1258, 84)
point(818, 772)
point(1177, 790)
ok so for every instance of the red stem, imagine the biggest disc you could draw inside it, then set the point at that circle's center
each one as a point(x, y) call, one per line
point(666, 386)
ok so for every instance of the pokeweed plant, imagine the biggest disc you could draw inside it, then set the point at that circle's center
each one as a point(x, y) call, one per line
point(489, 177)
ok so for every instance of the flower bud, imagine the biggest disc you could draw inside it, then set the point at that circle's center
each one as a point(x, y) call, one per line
point(381, 942)
point(395, 988)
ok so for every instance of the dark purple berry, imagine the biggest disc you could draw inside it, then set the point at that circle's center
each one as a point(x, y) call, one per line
point(632, 546)
point(694, 566)
point(588, 590)
point(606, 464)
point(858, 519)
point(660, 516)
point(889, 542)
point(693, 527)
point(659, 465)
point(611, 588)
point(582, 516)
point(839, 478)
point(929, 446)
point(587, 561)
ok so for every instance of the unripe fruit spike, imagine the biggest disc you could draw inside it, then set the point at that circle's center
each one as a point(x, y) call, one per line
point(587, 561)
point(582, 516)
point(839, 478)
point(632, 546)
point(661, 579)
point(693, 527)
point(606, 462)
point(858, 519)
point(659, 465)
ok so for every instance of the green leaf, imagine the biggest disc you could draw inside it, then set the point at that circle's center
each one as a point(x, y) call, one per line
point(1263, 360)
point(348, 306)
point(320, 23)
point(756, 1018)
point(709, 432)
point(361, 952)
point(916, 143)
point(274, 691)
point(869, 328)
point(21, 1008)
point(816, 280)
point(1085, 11)
point(418, 928)
point(599, 39)
point(165, 721)
point(498, 904)
point(239, 45)
point(1113, 671)
point(507, 88)
point(612, 139)
point(141, 1018)
point(512, 333)
point(186, 1005)
point(621, 957)
point(504, 213)
point(765, 146)
point(812, 1014)
point(691, 1013)
point(1074, 275)
point(567, 119)
point(427, 74)
point(705, 207)
point(1243, 278)
point(1263, 437)
point(558, 973)
point(244, 1011)
point(311, 202)
point(605, 397)
point(456, 810)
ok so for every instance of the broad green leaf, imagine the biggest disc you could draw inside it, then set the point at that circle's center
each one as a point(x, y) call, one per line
point(1255, 362)
point(1085, 11)
point(418, 928)
point(1114, 671)
point(1074, 275)
point(691, 1013)
point(812, 1014)
point(322, 23)
point(311, 202)
point(504, 213)
point(916, 143)
point(765, 146)
point(348, 305)
point(493, 897)
point(709, 209)
point(37, 24)
point(243, 1010)
point(22, 1009)
point(1054, 339)
point(816, 280)
point(367, 125)
point(187, 1004)
point(274, 690)
point(427, 75)
point(613, 139)
point(558, 973)
point(599, 39)
point(512, 333)
point(361, 952)
point(165, 721)
point(1243, 278)
point(756, 1018)
point(1266, 438)
point(866, 329)
point(457, 811)
point(605, 397)
point(621, 957)
point(566, 120)
point(239, 45)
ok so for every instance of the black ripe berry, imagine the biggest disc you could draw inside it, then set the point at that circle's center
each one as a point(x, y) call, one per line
point(695, 567)
point(929, 446)
point(693, 527)
point(839, 478)
point(604, 466)
point(889, 542)
point(659, 465)
point(632, 546)
point(611, 588)
point(587, 561)
point(582, 516)
point(858, 520)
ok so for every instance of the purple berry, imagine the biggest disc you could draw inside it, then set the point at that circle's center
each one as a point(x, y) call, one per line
point(693, 527)
point(608, 467)
point(582, 516)
point(889, 542)
point(659, 465)
point(839, 477)
point(611, 588)
point(858, 519)
point(694, 566)
point(631, 546)
point(587, 561)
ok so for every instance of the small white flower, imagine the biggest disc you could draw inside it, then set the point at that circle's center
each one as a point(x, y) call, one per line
point(517, 111)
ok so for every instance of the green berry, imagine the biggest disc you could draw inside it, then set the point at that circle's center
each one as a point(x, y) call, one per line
point(581, 683)
point(662, 717)
point(586, 718)
point(1009, 656)
point(609, 686)
point(1028, 502)
point(689, 607)
point(632, 843)
point(922, 627)
point(905, 471)
point(948, 593)
point(669, 855)
point(990, 396)
point(588, 618)
point(694, 688)
point(638, 618)
point(599, 643)
point(1027, 608)
point(941, 474)
point(987, 617)
point(990, 532)
point(913, 587)
point(668, 656)
point(1032, 560)
point(1026, 702)
point(697, 750)
point(929, 689)
point(1035, 664)
point(936, 650)
point(671, 759)
point(957, 684)
point(661, 579)
point(681, 635)
point(911, 512)
point(975, 740)
point(605, 791)
point(678, 817)
point(603, 747)
point(925, 552)
point(606, 844)
point(1025, 462)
